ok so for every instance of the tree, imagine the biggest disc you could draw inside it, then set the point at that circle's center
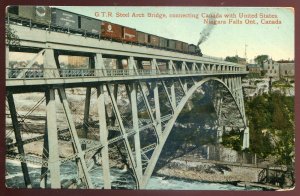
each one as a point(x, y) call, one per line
point(233, 59)
point(260, 59)
point(272, 126)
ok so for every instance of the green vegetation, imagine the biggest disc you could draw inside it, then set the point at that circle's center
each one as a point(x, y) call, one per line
point(260, 59)
point(235, 59)
point(263, 73)
point(272, 127)
point(194, 120)
point(232, 59)
point(282, 83)
point(232, 140)
point(271, 124)
point(257, 81)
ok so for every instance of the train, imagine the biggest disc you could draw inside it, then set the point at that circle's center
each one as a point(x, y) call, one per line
point(61, 20)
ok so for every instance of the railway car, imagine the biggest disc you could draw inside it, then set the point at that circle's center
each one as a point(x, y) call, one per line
point(163, 42)
point(57, 19)
point(64, 19)
point(178, 45)
point(185, 47)
point(34, 14)
point(129, 34)
point(171, 44)
point(111, 31)
point(142, 38)
point(89, 25)
point(154, 40)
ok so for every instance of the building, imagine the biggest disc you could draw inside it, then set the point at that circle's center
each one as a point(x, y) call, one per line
point(78, 61)
point(279, 69)
point(287, 69)
point(272, 68)
point(254, 69)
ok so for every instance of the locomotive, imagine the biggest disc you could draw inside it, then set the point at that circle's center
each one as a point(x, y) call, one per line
point(61, 20)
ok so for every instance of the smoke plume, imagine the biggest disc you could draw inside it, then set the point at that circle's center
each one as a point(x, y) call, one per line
point(206, 32)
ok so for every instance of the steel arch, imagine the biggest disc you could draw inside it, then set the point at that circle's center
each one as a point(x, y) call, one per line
point(169, 126)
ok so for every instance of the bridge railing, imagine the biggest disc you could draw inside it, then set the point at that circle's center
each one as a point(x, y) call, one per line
point(36, 73)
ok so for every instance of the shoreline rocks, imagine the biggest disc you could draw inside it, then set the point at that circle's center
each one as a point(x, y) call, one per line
point(208, 172)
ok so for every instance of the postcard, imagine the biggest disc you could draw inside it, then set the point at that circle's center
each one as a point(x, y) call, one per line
point(150, 97)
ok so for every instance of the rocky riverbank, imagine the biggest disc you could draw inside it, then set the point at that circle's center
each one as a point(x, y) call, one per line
point(209, 172)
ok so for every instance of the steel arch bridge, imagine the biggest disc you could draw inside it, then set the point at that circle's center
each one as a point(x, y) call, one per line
point(125, 115)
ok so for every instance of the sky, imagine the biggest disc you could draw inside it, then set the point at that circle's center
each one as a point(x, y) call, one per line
point(275, 40)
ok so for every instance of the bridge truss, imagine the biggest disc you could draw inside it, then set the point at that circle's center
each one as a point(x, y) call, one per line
point(124, 116)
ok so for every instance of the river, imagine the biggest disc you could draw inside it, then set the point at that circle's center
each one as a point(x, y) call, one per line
point(119, 178)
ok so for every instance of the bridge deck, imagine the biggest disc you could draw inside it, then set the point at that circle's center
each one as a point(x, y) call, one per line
point(57, 77)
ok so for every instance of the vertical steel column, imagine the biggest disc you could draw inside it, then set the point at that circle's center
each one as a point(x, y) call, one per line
point(154, 66)
point(205, 68)
point(137, 142)
point(7, 61)
point(86, 114)
point(49, 59)
point(45, 155)
point(238, 94)
point(225, 80)
point(103, 132)
point(242, 97)
point(116, 88)
point(214, 68)
point(194, 67)
point(230, 84)
point(184, 69)
point(76, 144)
point(170, 67)
point(99, 65)
point(53, 162)
point(14, 119)
point(131, 66)
point(173, 95)
point(157, 111)
point(50, 62)
point(233, 87)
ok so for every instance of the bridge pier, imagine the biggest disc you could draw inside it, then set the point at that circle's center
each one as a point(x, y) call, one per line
point(103, 133)
point(52, 140)
point(246, 138)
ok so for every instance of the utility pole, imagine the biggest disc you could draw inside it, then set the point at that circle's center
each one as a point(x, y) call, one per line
point(246, 52)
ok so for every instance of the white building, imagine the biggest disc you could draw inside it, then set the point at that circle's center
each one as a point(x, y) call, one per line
point(278, 69)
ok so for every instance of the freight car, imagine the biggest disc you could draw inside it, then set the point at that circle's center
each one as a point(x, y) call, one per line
point(61, 20)
point(39, 15)
point(117, 32)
